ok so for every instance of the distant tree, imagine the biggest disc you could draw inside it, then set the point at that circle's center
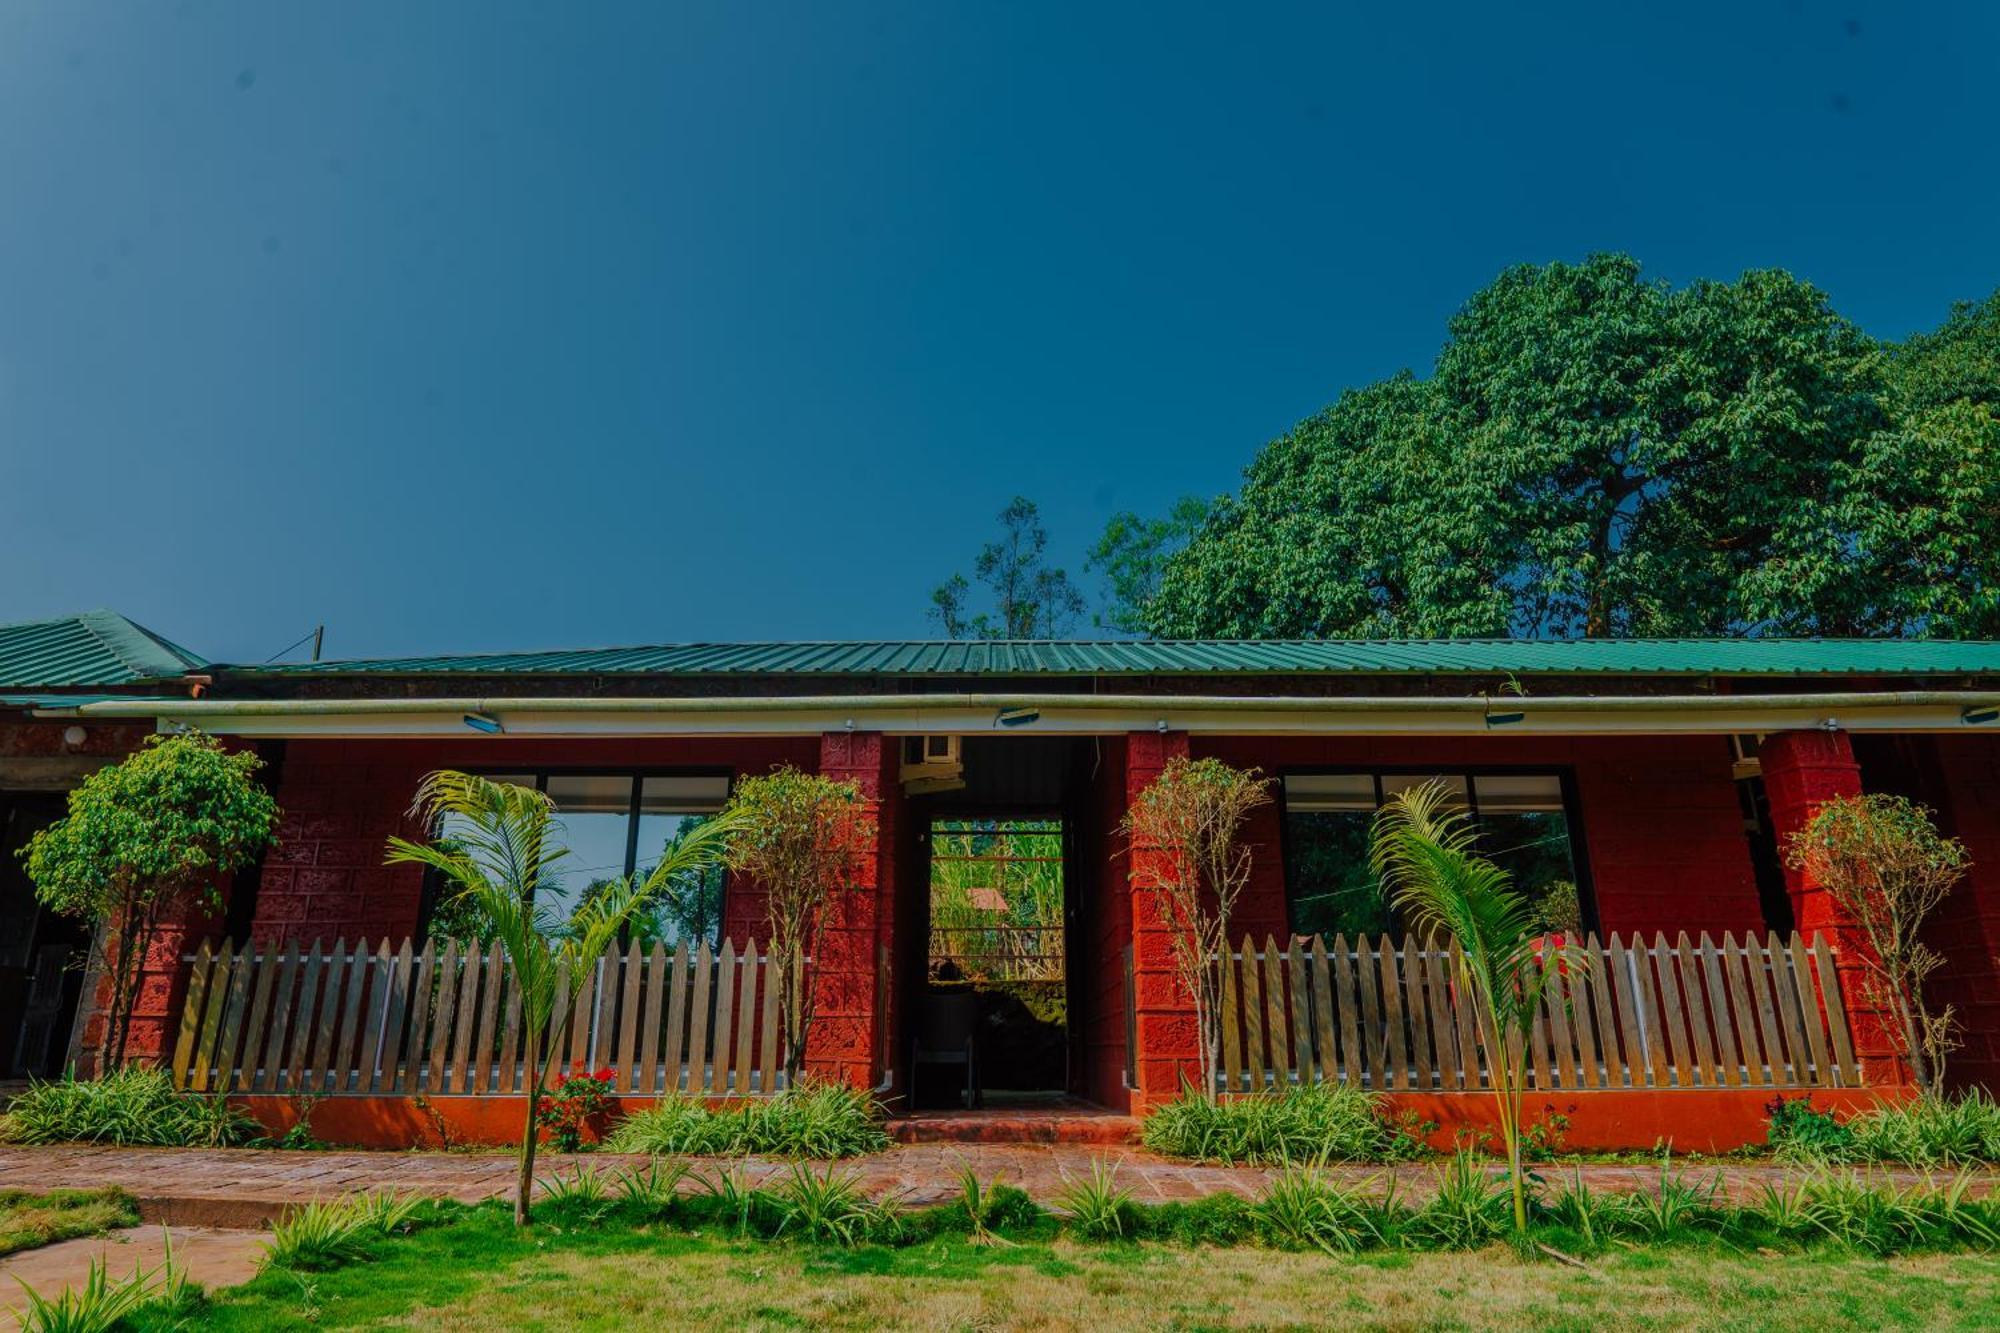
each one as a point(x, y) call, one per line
point(1598, 453)
point(1030, 598)
point(146, 837)
point(1132, 553)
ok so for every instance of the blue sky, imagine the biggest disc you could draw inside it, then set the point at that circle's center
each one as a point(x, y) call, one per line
point(507, 325)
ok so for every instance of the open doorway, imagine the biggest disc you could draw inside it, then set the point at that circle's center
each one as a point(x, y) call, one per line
point(996, 975)
point(42, 954)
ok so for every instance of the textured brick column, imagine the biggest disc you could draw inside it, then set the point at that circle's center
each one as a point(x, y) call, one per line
point(1802, 770)
point(1169, 1047)
point(846, 1037)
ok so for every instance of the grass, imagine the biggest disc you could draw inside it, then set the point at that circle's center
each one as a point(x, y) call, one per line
point(818, 1120)
point(473, 1270)
point(136, 1105)
point(1316, 1122)
point(28, 1221)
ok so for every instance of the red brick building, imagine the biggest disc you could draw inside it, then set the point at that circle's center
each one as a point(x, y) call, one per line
point(1636, 789)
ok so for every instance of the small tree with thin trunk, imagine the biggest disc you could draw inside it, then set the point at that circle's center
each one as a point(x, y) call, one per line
point(797, 836)
point(503, 842)
point(1191, 817)
point(1886, 867)
point(143, 839)
point(1424, 848)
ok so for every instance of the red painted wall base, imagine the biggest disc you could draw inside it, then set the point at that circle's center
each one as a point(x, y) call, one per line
point(1627, 1120)
point(1704, 1121)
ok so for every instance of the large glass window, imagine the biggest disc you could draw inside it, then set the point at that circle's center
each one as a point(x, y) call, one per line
point(618, 824)
point(1523, 826)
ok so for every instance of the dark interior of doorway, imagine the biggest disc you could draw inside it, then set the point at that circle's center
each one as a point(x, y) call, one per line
point(1022, 817)
point(41, 953)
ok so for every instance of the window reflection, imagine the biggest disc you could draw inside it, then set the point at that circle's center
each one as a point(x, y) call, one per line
point(618, 824)
point(1522, 822)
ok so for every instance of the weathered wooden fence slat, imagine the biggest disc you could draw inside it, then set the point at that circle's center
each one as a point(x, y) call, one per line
point(1390, 1015)
point(385, 1017)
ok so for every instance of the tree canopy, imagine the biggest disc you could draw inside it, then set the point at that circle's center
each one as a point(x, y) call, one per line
point(1599, 453)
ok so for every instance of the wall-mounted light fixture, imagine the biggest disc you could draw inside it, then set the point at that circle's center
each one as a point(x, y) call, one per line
point(484, 723)
point(1975, 715)
point(74, 737)
point(1505, 719)
point(1017, 717)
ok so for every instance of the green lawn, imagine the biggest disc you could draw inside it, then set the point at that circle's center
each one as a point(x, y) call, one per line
point(474, 1271)
point(31, 1220)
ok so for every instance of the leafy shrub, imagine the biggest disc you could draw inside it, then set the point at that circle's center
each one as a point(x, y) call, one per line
point(578, 1097)
point(1313, 1122)
point(1932, 1131)
point(1929, 1132)
point(98, 1306)
point(1467, 1209)
point(1676, 1205)
point(653, 1192)
point(1577, 1208)
point(327, 1233)
point(584, 1195)
point(1216, 1219)
point(319, 1234)
point(1097, 1205)
point(816, 1120)
point(1301, 1209)
point(136, 1105)
point(825, 1205)
point(1797, 1129)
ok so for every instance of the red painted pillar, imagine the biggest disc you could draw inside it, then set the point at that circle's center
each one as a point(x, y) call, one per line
point(1165, 1031)
point(845, 1042)
point(1802, 770)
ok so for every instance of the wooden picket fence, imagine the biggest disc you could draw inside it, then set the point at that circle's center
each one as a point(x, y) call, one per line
point(446, 1020)
point(1379, 1015)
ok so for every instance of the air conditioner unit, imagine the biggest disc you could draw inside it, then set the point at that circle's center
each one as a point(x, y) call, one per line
point(932, 764)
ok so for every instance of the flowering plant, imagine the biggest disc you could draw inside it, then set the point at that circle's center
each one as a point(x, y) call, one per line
point(578, 1099)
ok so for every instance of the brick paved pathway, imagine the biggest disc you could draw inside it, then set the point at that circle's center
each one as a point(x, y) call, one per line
point(247, 1186)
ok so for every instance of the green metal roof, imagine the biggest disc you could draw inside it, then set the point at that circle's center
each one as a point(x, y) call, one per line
point(95, 648)
point(1125, 657)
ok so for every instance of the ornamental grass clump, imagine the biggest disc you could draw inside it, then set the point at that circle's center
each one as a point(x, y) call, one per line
point(1314, 1122)
point(1930, 1132)
point(136, 1106)
point(814, 1120)
point(1302, 1209)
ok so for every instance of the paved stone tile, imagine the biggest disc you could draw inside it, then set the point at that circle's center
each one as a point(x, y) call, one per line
point(916, 1173)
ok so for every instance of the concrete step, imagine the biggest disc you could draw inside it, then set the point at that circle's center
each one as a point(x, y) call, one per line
point(1002, 1125)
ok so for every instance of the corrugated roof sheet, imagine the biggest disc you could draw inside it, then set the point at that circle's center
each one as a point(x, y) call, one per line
point(95, 648)
point(1125, 657)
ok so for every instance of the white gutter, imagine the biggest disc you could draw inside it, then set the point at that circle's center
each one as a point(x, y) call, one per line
point(1069, 714)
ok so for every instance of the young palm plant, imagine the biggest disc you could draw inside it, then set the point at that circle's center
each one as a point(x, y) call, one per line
point(504, 841)
point(1424, 849)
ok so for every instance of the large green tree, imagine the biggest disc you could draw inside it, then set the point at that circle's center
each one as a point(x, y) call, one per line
point(1600, 453)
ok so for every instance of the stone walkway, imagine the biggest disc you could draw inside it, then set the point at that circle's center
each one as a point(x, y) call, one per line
point(212, 1258)
point(245, 1187)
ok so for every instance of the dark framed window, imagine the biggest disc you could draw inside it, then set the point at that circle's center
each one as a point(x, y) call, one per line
point(1527, 825)
point(617, 823)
